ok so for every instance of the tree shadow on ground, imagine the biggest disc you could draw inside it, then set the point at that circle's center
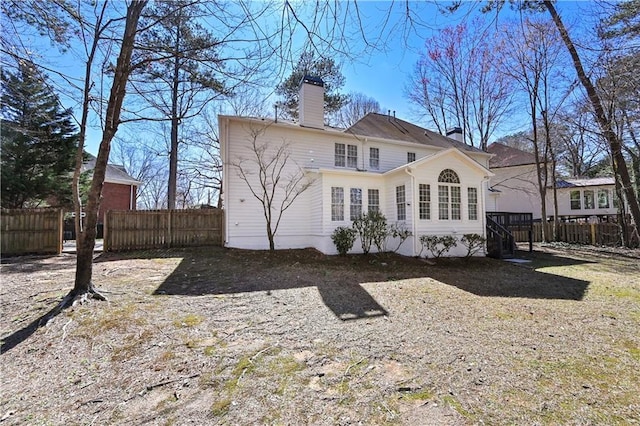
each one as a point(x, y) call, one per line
point(17, 337)
point(338, 279)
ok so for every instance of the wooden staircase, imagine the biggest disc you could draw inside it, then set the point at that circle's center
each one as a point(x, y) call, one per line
point(500, 242)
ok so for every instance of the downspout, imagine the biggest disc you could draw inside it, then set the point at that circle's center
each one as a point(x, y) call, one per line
point(414, 226)
point(225, 180)
point(485, 189)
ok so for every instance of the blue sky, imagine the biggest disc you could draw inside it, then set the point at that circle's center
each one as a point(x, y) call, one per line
point(382, 75)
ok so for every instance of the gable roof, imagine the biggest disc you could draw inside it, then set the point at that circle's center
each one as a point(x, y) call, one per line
point(438, 155)
point(387, 127)
point(114, 173)
point(573, 183)
point(506, 156)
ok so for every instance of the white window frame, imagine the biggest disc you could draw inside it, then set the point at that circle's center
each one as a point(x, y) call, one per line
point(472, 203)
point(374, 158)
point(355, 203)
point(340, 155)
point(575, 197)
point(337, 204)
point(424, 204)
point(449, 196)
point(401, 202)
point(352, 156)
point(373, 200)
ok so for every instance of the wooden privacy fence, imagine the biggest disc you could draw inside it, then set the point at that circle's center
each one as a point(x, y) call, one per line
point(605, 234)
point(149, 229)
point(31, 231)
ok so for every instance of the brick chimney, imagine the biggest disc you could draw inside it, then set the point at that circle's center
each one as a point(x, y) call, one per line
point(311, 102)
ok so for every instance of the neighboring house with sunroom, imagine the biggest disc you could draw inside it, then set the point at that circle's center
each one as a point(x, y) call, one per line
point(429, 183)
point(585, 199)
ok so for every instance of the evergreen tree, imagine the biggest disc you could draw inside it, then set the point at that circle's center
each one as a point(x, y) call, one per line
point(38, 141)
point(327, 70)
point(184, 71)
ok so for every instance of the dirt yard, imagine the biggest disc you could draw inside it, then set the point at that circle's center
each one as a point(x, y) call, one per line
point(218, 336)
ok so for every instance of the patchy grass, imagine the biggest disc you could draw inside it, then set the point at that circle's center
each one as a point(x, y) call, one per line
point(222, 336)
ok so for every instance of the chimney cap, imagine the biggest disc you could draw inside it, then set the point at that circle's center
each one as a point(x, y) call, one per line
point(454, 130)
point(316, 81)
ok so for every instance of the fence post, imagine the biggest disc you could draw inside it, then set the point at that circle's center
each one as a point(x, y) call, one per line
point(593, 234)
point(105, 232)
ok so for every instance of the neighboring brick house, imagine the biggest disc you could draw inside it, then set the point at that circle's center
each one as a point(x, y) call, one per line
point(119, 191)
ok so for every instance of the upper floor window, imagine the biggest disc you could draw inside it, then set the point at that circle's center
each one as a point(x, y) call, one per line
point(346, 155)
point(449, 200)
point(589, 199)
point(337, 203)
point(352, 156)
point(374, 200)
point(472, 200)
point(575, 200)
point(424, 192)
point(401, 203)
point(603, 199)
point(355, 205)
point(374, 158)
point(411, 157)
point(340, 155)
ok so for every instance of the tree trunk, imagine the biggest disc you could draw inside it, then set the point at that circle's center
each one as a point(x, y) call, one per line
point(173, 153)
point(603, 121)
point(87, 239)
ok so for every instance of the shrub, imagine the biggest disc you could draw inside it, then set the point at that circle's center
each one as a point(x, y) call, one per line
point(473, 242)
point(372, 229)
point(438, 245)
point(399, 230)
point(343, 238)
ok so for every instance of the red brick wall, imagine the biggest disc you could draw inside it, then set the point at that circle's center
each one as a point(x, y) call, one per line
point(116, 196)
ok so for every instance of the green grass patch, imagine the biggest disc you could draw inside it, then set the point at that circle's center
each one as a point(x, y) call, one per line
point(221, 407)
point(190, 320)
point(418, 395)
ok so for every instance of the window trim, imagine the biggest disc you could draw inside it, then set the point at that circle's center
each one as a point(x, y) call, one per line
point(376, 206)
point(424, 203)
point(401, 202)
point(592, 204)
point(336, 203)
point(353, 212)
point(374, 160)
point(472, 208)
point(573, 200)
point(606, 198)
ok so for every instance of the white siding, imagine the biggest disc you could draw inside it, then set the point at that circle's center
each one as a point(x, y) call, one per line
point(564, 201)
point(518, 188)
point(307, 223)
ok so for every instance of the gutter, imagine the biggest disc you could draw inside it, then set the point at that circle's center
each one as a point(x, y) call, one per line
point(414, 222)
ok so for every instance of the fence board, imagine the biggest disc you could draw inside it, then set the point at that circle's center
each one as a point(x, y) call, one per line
point(31, 231)
point(148, 229)
point(607, 234)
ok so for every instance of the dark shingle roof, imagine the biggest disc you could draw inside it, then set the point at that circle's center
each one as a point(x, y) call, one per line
point(506, 156)
point(114, 173)
point(387, 127)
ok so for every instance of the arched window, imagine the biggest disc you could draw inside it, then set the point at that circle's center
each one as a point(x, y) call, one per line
point(449, 195)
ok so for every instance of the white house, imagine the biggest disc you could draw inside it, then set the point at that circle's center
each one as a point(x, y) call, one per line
point(513, 187)
point(432, 184)
point(580, 199)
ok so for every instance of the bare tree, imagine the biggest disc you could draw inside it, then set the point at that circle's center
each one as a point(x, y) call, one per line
point(273, 179)
point(605, 122)
point(530, 59)
point(357, 106)
point(457, 83)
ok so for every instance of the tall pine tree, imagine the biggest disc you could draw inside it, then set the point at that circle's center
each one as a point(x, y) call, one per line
point(38, 142)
